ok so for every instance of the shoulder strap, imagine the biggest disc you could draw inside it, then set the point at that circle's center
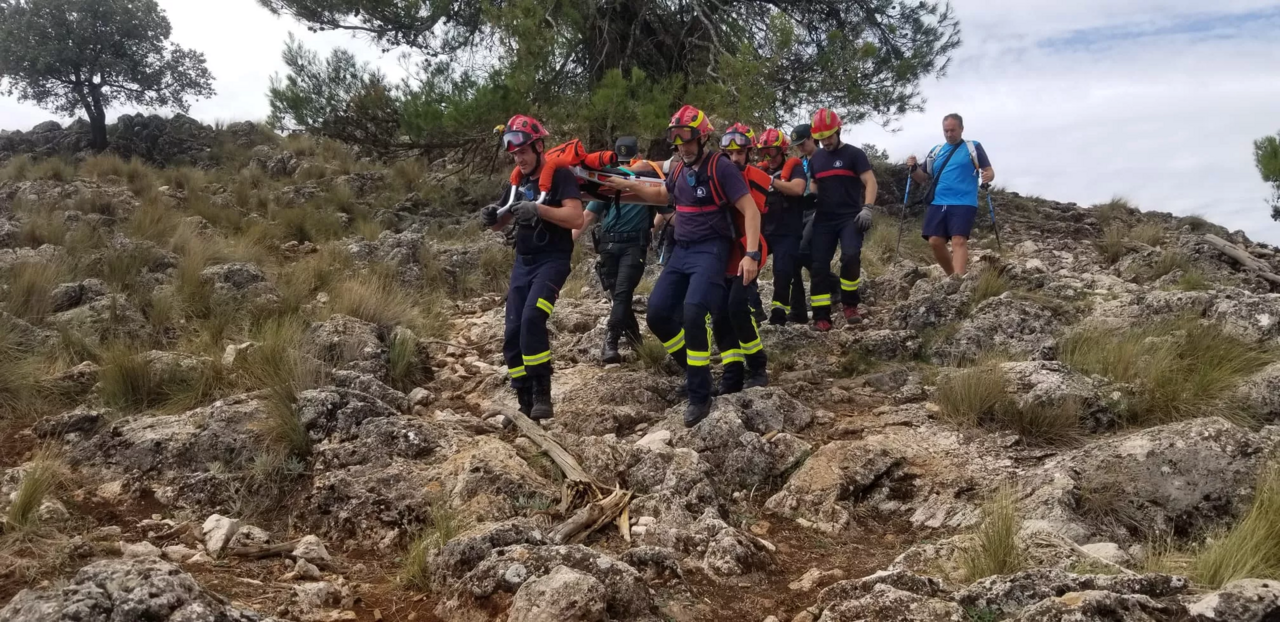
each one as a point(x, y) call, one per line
point(973, 153)
point(717, 192)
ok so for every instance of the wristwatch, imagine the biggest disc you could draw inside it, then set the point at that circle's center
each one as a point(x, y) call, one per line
point(754, 255)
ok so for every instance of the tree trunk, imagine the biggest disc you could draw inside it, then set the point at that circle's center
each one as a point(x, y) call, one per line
point(97, 122)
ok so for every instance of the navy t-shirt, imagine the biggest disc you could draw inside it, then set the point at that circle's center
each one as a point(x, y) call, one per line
point(840, 187)
point(786, 213)
point(545, 236)
point(703, 211)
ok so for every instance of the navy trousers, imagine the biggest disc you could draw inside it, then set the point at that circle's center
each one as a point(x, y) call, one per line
point(535, 286)
point(689, 293)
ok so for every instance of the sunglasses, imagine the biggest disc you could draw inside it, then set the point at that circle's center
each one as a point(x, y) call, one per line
point(735, 141)
point(771, 152)
point(515, 140)
point(679, 135)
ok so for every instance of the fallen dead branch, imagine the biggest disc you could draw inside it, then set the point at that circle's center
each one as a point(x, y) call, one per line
point(1247, 261)
point(597, 504)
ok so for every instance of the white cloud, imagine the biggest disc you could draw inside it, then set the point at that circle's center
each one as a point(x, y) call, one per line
point(1130, 98)
point(1140, 101)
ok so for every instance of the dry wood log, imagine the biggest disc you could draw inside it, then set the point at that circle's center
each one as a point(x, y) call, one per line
point(1249, 262)
point(563, 459)
point(265, 550)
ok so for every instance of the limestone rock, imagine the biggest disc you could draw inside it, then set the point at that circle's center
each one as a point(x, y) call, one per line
point(835, 473)
point(178, 553)
point(138, 550)
point(1012, 593)
point(248, 535)
point(218, 531)
point(562, 595)
point(115, 590)
point(506, 570)
point(885, 602)
point(1245, 600)
point(814, 577)
point(1108, 551)
point(1099, 605)
point(311, 548)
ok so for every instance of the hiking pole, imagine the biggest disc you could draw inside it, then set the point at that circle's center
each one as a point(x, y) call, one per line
point(992, 210)
point(902, 218)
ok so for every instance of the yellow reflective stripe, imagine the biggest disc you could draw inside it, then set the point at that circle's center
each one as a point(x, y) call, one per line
point(676, 343)
point(698, 359)
point(545, 306)
point(732, 356)
point(516, 372)
point(753, 347)
point(779, 305)
point(537, 359)
point(823, 300)
point(850, 286)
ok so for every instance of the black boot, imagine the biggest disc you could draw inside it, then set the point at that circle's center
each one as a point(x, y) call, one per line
point(609, 353)
point(524, 395)
point(731, 380)
point(542, 399)
point(695, 413)
point(778, 317)
point(758, 377)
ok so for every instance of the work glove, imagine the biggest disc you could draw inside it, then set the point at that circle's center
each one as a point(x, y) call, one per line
point(525, 213)
point(489, 216)
point(864, 218)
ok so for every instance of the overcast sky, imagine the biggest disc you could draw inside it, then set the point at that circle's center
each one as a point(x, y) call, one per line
point(1156, 101)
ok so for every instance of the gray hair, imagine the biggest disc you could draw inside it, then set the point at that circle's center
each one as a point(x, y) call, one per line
point(959, 119)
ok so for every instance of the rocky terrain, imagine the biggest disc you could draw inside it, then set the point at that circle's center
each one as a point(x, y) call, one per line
point(265, 383)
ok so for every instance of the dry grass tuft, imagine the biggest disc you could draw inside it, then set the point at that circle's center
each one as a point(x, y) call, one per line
point(1251, 549)
point(968, 397)
point(1168, 262)
point(54, 169)
point(40, 479)
point(407, 368)
point(445, 524)
point(127, 382)
point(43, 228)
point(1193, 280)
point(1115, 209)
point(991, 284)
point(650, 354)
point(1151, 234)
point(30, 285)
point(996, 550)
point(376, 298)
point(1179, 368)
point(1112, 245)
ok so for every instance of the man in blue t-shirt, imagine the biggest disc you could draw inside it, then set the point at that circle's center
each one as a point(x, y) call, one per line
point(544, 248)
point(956, 168)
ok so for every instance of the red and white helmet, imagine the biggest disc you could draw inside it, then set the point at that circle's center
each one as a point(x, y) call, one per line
point(522, 130)
point(686, 124)
point(825, 123)
point(738, 137)
point(773, 138)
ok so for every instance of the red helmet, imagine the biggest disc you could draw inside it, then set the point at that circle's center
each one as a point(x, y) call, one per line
point(522, 130)
point(687, 123)
point(773, 138)
point(825, 123)
point(738, 136)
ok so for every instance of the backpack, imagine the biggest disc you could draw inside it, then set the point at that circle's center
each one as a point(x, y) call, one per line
point(933, 155)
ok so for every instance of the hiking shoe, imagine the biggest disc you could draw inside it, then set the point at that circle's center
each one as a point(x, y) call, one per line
point(798, 318)
point(542, 408)
point(609, 353)
point(778, 317)
point(759, 315)
point(851, 315)
point(695, 413)
point(757, 378)
point(727, 388)
point(524, 395)
point(822, 326)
